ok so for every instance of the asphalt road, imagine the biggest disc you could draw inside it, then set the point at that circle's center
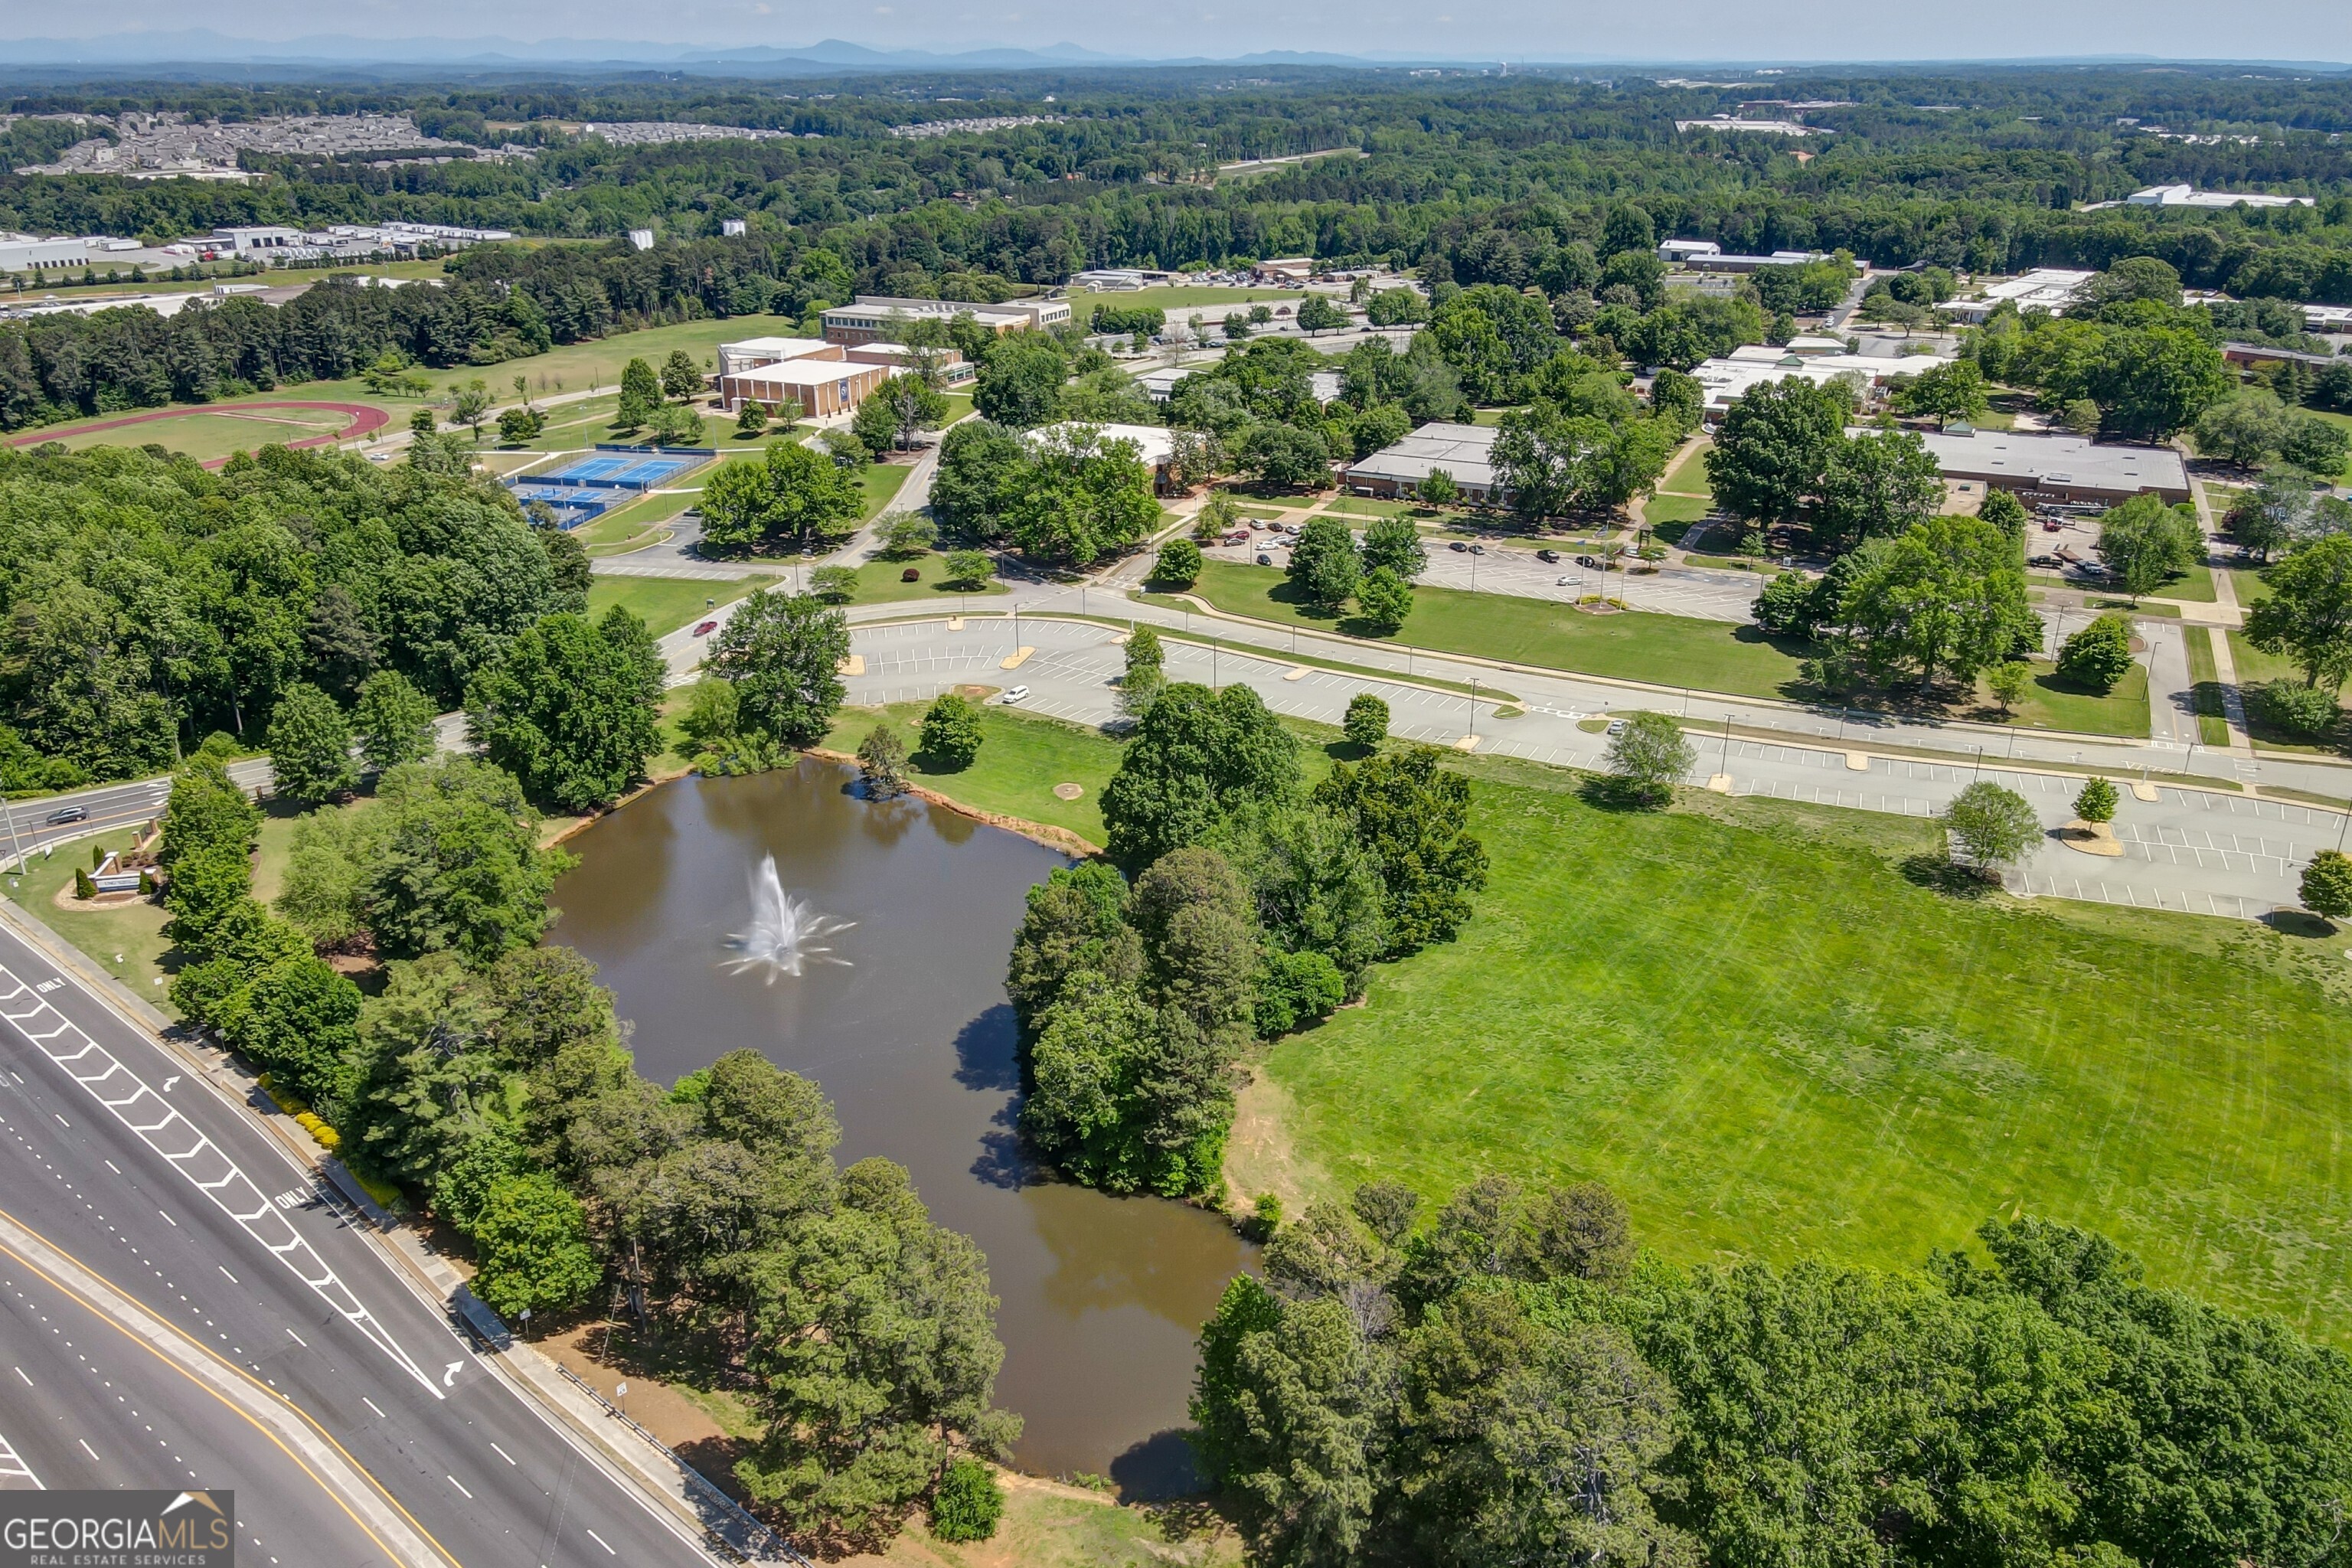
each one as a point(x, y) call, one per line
point(25, 826)
point(89, 1405)
point(120, 1157)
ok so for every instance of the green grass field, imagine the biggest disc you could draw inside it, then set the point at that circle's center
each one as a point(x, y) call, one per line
point(881, 582)
point(1771, 1041)
point(1180, 301)
point(881, 482)
point(666, 603)
point(1673, 651)
point(216, 433)
point(2248, 584)
point(2205, 690)
point(2254, 667)
point(133, 930)
point(1688, 477)
point(1021, 758)
point(1662, 510)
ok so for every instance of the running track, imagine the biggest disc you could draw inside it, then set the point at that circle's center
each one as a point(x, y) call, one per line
point(365, 420)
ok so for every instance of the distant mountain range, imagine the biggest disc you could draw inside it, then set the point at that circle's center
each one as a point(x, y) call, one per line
point(202, 46)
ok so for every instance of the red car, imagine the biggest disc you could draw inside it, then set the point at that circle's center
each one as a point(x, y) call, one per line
point(706, 628)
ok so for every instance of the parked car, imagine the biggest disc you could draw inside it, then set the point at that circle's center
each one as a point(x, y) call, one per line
point(1591, 561)
point(1548, 557)
point(1457, 546)
point(69, 813)
point(2047, 563)
point(1563, 583)
point(1616, 726)
point(1238, 536)
point(2050, 525)
point(1477, 550)
point(1015, 694)
point(1263, 559)
point(704, 629)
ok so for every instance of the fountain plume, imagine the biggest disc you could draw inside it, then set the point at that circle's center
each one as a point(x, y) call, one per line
point(786, 933)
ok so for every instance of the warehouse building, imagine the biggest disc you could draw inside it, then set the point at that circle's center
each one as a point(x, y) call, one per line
point(2054, 469)
point(1466, 452)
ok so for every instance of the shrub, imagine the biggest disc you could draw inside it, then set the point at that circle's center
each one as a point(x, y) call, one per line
point(1178, 563)
point(2097, 803)
point(83, 886)
point(2297, 708)
point(1298, 989)
point(1266, 1217)
point(2097, 656)
point(1367, 724)
point(882, 762)
point(968, 1504)
point(328, 1138)
point(1649, 755)
point(969, 570)
point(1990, 825)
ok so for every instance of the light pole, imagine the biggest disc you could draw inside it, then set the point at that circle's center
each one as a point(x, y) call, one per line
point(1473, 707)
point(16, 846)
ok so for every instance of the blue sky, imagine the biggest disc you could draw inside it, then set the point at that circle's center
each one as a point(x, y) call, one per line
point(1757, 30)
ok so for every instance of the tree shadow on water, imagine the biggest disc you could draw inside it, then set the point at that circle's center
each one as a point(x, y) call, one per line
point(1159, 1468)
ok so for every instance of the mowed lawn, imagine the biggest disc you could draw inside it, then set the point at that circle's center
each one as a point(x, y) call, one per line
point(1772, 1042)
point(1673, 651)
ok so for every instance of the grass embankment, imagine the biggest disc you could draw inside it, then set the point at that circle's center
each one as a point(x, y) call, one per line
point(1663, 650)
point(666, 603)
point(2254, 667)
point(134, 930)
point(1022, 757)
point(1047, 1525)
point(1764, 1025)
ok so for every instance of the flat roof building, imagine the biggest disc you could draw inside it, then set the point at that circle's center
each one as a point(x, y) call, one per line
point(2056, 469)
point(1727, 261)
point(1727, 380)
point(1465, 452)
point(822, 387)
point(870, 316)
point(751, 353)
point(2051, 288)
point(1155, 445)
point(2185, 196)
point(1671, 250)
point(1764, 127)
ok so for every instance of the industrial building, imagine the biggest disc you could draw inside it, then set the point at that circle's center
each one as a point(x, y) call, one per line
point(1465, 452)
point(2054, 469)
point(1706, 255)
point(2051, 288)
point(870, 317)
point(2190, 196)
point(1727, 380)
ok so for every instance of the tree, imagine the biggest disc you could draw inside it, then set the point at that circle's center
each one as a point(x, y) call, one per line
point(2315, 445)
point(1384, 600)
point(1195, 755)
point(393, 720)
point(1178, 563)
point(2095, 801)
point(673, 425)
point(1145, 676)
point(1944, 393)
point(952, 732)
point(1772, 448)
point(1324, 567)
point(782, 653)
point(1437, 488)
point(1394, 307)
point(1946, 598)
point(2246, 427)
point(2098, 655)
point(1318, 314)
point(967, 570)
point(1079, 497)
point(471, 406)
point(640, 393)
point(794, 497)
point(1412, 817)
point(1990, 825)
point(1367, 723)
point(1875, 487)
point(1076, 923)
point(752, 419)
point(834, 584)
point(981, 465)
point(882, 762)
point(2326, 888)
point(2008, 681)
point(531, 1237)
point(1284, 456)
point(2308, 616)
point(453, 862)
point(913, 404)
point(1394, 542)
point(517, 426)
point(420, 422)
point(298, 1019)
point(2004, 511)
point(909, 534)
point(1651, 756)
point(1020, 383)
point(311, 746)
point(2147, 543)
point(680, 376)
point(875, 424)
point(968, 1504)
point(573, 710)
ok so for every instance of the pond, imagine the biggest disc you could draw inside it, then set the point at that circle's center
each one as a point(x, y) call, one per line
point(905, 1025)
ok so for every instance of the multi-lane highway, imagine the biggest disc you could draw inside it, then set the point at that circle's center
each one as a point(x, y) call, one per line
point(114, 1152)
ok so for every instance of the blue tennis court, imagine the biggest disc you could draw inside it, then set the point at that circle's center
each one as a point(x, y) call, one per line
point(626, 470)
point(572, 505)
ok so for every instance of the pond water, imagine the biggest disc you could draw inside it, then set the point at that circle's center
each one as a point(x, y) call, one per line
point(904, 1022)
